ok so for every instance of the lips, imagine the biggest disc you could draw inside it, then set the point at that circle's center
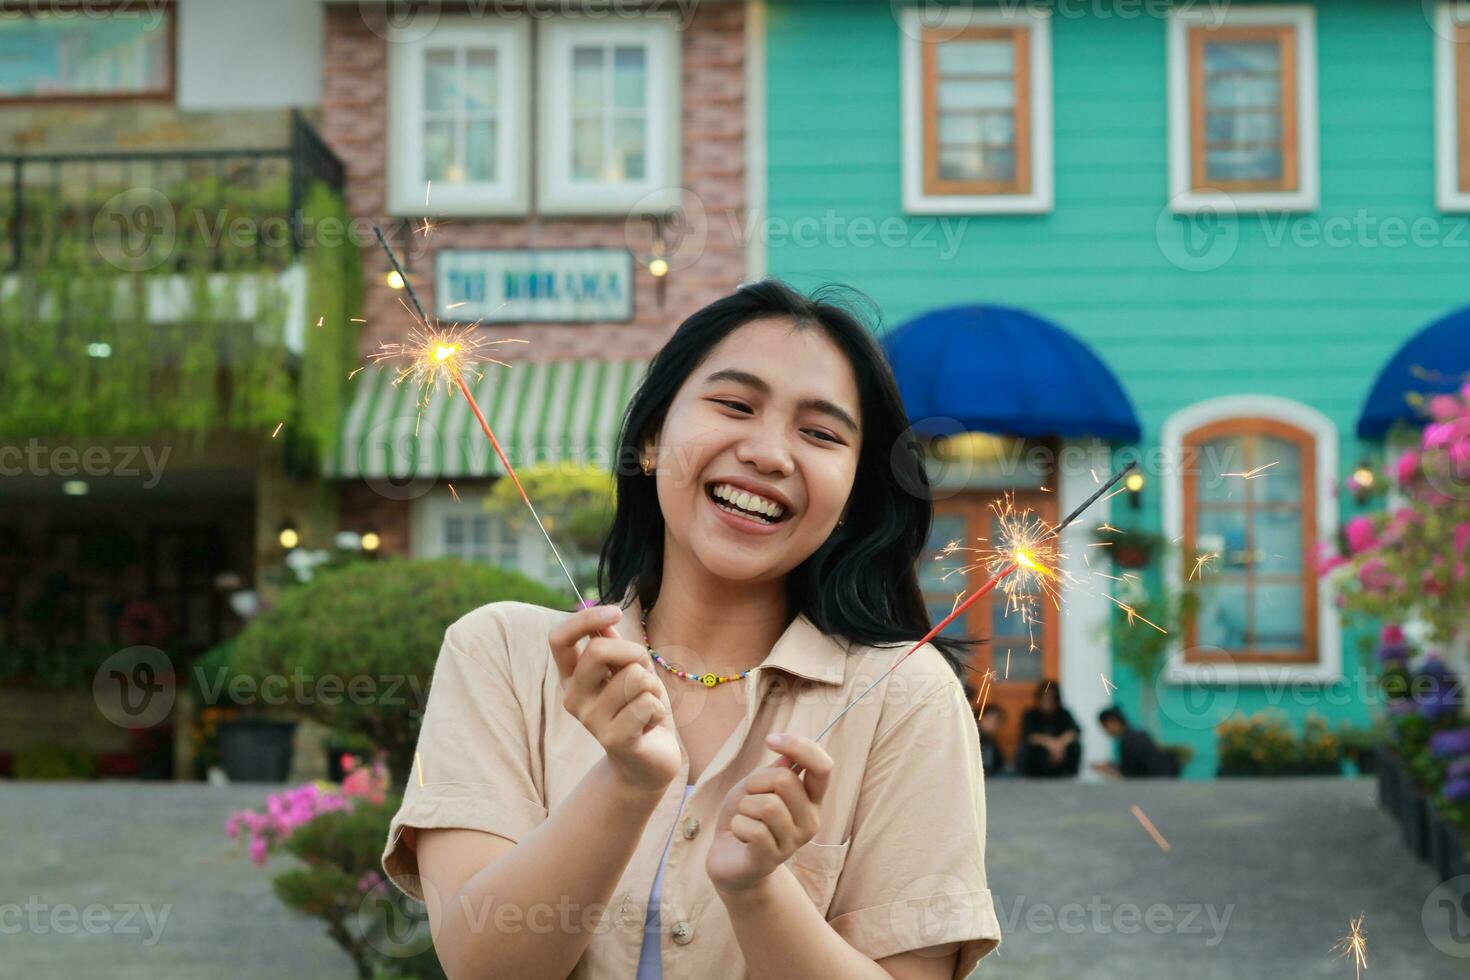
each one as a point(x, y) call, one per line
point(741, 520)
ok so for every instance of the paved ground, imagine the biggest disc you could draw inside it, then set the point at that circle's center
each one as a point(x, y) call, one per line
point(1261, 879)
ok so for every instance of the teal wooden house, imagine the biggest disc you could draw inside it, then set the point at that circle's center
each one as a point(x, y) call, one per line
point(1199, 235)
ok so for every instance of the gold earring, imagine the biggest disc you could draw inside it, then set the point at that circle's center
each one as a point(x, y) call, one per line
point(647, 467)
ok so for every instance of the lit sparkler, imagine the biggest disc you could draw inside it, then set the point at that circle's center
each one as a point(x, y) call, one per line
point(1026, 545)
point(438, 357)
point(1354, 944)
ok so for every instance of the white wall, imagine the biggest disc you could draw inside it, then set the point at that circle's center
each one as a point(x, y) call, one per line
point(249, 54)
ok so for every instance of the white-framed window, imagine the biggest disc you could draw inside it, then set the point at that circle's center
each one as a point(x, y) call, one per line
point(1452, 106)
point(608, 115)
point(1251, 483)
point(1243, 108)
point(458, 112)
point(976, 111)
point(444, 527)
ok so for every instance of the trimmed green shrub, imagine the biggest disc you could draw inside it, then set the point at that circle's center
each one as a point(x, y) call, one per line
point(355, 647)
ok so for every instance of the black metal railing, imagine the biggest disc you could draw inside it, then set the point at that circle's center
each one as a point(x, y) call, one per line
point(163, 210)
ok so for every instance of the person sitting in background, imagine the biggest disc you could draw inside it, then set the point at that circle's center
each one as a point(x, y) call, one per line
point(1051, 745)
point(1138, 754)
point(992, 719)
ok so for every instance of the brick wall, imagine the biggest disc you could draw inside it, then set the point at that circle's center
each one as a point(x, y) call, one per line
point(354, 122)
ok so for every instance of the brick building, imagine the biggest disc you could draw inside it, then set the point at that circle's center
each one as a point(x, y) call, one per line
point(561, 159)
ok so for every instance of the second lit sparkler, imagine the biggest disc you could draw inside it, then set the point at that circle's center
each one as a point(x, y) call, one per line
point(438, 357)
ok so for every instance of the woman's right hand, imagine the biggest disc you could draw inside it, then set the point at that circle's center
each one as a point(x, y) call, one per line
point(609, 689)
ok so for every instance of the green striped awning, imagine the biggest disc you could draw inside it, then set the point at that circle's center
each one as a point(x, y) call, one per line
point(542, 412)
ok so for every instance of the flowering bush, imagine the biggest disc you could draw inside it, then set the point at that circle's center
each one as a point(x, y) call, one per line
point(290, 809)
point(337, 833)
point(1265, 745)
point(1414, 562)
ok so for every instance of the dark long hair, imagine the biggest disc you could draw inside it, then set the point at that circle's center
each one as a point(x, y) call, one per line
point(862, 582)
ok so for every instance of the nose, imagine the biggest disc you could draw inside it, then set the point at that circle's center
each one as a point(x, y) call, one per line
point(767, 451)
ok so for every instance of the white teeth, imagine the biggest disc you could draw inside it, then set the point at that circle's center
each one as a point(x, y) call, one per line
point(747, 515)
point(747, 501)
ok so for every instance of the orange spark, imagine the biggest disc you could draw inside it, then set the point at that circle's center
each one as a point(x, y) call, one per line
point(1133, 615)
point(453, 494)
point(1354, 944)
point(1201, 562)
point(1252, 474)
point(1148, 826)
point(278, 429)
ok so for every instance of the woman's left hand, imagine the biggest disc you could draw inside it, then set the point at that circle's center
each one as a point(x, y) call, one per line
point(768, 815)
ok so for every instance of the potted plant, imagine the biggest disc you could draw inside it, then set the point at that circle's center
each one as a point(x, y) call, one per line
point(1130, 547)
point(376, 625)
point(1360, 746)
point(255, 741)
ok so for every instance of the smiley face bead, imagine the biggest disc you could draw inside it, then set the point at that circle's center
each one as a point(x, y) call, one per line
point(708, 680)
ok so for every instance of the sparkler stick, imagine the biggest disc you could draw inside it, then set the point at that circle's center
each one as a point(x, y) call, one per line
point(443, 362)
point(1020, 559)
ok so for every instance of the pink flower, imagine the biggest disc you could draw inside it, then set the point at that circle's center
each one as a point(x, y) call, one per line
point(369, 881)
point(1444, 407)
point(1437, 435)
point(1391, 635)
point(1462, 538)
point(1460, 571)
point(1407, 466)
point(1374, 575)
point(257, 850)
point(1360, 534)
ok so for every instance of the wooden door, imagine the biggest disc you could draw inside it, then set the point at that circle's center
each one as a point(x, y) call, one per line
point(1020, 654)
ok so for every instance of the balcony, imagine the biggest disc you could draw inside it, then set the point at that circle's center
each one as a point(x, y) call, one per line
point(180, 290)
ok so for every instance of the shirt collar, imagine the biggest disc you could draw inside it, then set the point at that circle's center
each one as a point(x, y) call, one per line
point(802, 650)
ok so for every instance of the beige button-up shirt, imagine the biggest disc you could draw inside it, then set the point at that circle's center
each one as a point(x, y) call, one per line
point(899, 861)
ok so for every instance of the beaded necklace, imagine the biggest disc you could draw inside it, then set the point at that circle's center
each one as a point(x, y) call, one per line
point(708, 680)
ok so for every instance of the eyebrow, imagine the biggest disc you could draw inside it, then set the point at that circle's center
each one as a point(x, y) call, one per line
point(759, 384)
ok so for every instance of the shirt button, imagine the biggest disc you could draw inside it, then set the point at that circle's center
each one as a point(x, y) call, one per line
point(683, 933)
point(691, 828)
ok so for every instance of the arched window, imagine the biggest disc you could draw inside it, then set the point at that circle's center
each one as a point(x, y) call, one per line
point(1248, 484)
point(1251, 498)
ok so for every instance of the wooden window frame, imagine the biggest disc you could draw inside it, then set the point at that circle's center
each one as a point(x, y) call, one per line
point(169, 10)
point(1192, 445)
point(1033, 191)
point(1285, 38)
point(1189, 28)
point(1020, 39)
point(1452, 108)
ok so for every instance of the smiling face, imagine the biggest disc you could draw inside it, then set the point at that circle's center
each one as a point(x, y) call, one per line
point(758, 452)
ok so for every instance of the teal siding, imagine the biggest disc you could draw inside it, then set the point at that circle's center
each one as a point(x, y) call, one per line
point(1310, 323)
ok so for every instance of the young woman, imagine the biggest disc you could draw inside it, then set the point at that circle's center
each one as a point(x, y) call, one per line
point(634, 790)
